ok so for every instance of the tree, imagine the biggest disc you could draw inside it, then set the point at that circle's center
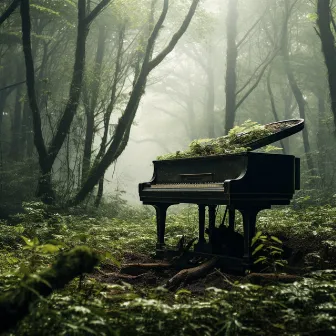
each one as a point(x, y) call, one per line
point(47, 155)
point(123, 127)
point(324, 22)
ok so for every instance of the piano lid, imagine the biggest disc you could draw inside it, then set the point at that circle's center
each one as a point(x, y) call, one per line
point(280, 130)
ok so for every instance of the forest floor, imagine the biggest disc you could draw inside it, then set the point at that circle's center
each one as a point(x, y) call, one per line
point(121, 300)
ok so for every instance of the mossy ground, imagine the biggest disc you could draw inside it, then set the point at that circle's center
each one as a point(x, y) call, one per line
point(99, 305)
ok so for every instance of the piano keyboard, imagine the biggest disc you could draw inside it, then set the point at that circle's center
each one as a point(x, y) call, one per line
point(187, 185)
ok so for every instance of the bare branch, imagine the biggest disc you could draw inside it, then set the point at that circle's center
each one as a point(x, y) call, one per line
point(250, 30)
point(253, 74)
point(12, 86)
point(258, 79)
point(176, 37)
point(95, 12)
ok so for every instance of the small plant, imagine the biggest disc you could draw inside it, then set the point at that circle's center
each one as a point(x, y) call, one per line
point(268, 250)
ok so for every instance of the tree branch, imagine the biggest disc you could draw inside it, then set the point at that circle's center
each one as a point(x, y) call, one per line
point(160, 57)
point(9, 11)
point(95, 12)
point(250, 30)
point(258, 79)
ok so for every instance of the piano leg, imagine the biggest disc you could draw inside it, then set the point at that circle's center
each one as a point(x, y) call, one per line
point(249, 223)
point(161, 212)
point(212, 221)
point(201, 221)
point(231, 218)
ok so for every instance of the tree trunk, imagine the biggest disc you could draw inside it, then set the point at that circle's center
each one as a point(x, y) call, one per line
point(47, 156)
point(324, 20)
point(273, 108)
point(231, 64)
point(210, 105)
point(90, 109)
point(321, 139)
point(298, 97)
point(15, 149)
point(287, 97)
point(100, 192)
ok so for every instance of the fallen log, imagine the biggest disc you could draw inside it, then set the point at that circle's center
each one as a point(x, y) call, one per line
point(14, 304)
point(190, 274)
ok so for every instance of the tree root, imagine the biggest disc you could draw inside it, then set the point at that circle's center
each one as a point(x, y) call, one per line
point(191, 274)
point(136, 269)
point(268, 278)
point(119, 275)
point(14, 304)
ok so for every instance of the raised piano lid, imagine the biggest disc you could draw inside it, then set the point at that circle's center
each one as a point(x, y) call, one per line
point(280, 130)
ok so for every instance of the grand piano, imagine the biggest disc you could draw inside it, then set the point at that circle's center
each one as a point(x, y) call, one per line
point(248, 182)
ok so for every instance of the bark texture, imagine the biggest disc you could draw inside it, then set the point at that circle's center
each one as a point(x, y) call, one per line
point(324, 20)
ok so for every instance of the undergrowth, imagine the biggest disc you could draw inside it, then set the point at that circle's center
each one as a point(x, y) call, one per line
point(88, 307)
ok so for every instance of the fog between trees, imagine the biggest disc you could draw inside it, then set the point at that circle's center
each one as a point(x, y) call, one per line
point(236, 60)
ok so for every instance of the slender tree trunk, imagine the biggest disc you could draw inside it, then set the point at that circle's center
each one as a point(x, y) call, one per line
point(298, 97)
point(15, 149)
point(287, 97)
point(231, 64)
point(191, 112)
point(92, 103)
point(273, 108)
point(321, 138)
point(210, 105)
point(324, 20)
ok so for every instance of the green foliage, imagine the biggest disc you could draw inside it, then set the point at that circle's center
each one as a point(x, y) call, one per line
point(233, 143)
point(97, 308)
point(268, 250)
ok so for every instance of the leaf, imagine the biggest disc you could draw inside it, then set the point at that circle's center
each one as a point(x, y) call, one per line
point(256, 237)
point(258, 248)
point(276, 239)
point(279, 326)
point(19, 229)
point(276, 248)
point(260, 260)
point(48, 248)
point(28, 241)
point(182, 291)
point(109, 256)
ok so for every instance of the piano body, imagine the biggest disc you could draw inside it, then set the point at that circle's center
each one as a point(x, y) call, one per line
point(248, 182)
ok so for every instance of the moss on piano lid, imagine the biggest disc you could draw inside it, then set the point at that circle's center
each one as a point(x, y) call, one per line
point(232, 143)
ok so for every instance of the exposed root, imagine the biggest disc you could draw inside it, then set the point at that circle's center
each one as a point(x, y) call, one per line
point(191, 274)
point(268, 278)
point(119, 275)
point(136, 269)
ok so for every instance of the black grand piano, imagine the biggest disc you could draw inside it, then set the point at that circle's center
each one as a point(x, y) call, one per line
point(248, 182)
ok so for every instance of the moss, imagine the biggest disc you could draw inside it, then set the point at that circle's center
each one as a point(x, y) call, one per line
point(233, 143)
